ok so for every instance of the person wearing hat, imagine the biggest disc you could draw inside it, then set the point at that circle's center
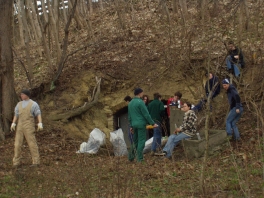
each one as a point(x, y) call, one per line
point(138, 117)
point(24, 124)
point(235, 112)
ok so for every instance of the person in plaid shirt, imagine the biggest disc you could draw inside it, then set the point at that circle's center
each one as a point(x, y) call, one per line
point(185, 131)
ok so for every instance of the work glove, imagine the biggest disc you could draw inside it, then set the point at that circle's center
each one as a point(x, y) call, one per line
point(40, 127)
point(13, 127)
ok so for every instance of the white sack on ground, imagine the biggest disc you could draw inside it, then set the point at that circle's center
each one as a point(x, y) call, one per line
point(148, 144)
point(96, 139)
point(118, 142)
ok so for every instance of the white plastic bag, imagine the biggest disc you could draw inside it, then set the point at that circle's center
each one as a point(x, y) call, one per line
point(118, 142)
point(98, 135)
point(96, 139)
point(148, 144)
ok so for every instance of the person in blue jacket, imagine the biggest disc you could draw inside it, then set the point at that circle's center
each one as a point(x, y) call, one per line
point(235, 112)
point(212, 84)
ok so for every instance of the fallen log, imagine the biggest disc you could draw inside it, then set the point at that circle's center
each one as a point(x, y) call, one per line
point(76, 112)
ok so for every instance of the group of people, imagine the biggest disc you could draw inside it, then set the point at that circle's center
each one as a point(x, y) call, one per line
point(140, 116)
point(142, 113)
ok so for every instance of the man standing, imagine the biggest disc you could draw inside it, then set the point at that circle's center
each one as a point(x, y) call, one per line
point(156, 111)
point(235, 59)
point(25, 113)
point(235, 112)
point(138, 117)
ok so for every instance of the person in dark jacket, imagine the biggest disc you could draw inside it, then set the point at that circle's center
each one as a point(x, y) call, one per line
point(236, 109)
point(138, 117)
point(212, 84)
point(157, 111)
point(235, 59)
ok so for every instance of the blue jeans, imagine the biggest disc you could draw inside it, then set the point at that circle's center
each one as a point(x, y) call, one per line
point(234, 67)
point(198, 107)
point(156, 138)
point(173, 141)
point(231, 121)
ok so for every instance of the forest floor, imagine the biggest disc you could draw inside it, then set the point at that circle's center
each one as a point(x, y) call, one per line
point(150, 55)
point(235, 171)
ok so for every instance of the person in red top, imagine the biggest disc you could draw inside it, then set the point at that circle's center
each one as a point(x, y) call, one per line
point(175, 101)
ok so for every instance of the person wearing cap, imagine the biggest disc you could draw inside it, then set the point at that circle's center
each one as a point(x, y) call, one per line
point(138, 117)
point(235, 112)
point(24, 124)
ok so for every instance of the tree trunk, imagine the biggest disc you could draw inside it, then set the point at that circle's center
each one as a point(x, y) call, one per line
point(54, 30)
point(56, 12)
point(101, 4)
point(65, 46)
point(184, 9)
point(243, 16)
point(120, 14)
point(76, 16)
point(24, 21)
point(7, 99)
point(43, 37)
point(64, 12)
point(91, 6)
point(204, 4)
point(20, 24)
point(175, 6)
point(34, 25)
point(44, 11)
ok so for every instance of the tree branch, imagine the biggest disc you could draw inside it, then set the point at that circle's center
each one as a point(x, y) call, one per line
point(73, 113)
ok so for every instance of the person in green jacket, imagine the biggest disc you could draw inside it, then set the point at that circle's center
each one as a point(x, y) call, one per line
point(156, 110)
point(138, 117)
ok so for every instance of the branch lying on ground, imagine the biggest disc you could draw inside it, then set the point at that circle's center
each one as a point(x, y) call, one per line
point(76, 112)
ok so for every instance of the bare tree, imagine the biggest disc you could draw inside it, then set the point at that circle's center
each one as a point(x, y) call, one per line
point(7, 100)
point(27, 37)
point(243, 16)
point(101, 4)
point(175, 6)
point(54, 30)
point(65, 45)
point(184, 10)
point(91, 6)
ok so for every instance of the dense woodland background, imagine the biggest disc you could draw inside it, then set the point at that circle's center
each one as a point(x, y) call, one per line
point(80, 58)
